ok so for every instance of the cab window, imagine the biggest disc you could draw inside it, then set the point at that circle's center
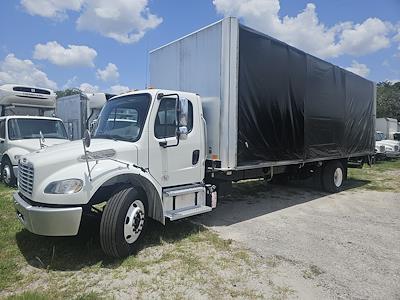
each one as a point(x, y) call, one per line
point(2, 129)
point(166, 119)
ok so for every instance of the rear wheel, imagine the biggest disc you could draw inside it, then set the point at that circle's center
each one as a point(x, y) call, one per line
point(333, 175)
point(7, 173)
point(123, 222)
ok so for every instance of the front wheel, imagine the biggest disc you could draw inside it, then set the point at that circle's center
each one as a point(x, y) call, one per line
point(333, 175)
point(7, 173)
point(123, 222)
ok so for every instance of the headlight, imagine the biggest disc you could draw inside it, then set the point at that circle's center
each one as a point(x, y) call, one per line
point(17, 157)
point(68, 186)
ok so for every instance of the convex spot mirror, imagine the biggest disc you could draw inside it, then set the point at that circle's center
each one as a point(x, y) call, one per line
point(183, 116)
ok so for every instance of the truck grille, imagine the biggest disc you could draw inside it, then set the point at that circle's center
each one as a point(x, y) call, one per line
point(25, 177)
point(382, 149)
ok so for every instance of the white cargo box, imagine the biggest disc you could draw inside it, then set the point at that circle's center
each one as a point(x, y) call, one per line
point(208, 66)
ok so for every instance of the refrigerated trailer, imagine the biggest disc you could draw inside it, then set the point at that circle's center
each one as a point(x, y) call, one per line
point(230, 104)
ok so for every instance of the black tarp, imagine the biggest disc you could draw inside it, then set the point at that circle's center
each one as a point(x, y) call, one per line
point(294, 106)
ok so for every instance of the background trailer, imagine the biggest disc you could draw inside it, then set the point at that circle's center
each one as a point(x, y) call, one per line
point(267, 103)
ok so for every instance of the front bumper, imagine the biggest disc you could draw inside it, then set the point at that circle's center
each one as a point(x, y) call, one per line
point(48, 221)
point(392, 154)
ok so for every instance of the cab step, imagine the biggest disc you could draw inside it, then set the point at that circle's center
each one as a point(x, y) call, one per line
point(186, 212)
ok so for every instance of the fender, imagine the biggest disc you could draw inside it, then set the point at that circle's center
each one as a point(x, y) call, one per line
point(135, 177)
point(14, 151)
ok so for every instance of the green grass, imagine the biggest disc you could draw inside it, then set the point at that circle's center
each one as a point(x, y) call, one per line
point(382, 176)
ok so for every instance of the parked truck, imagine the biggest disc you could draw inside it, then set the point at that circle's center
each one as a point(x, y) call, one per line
point(388, 126)
point(26, 126)
point(387, 134)
point(239, 105)
point(79, 111)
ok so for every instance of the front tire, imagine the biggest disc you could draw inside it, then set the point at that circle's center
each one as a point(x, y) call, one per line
point(333, 176)
point(123, 222)
point(7, 173)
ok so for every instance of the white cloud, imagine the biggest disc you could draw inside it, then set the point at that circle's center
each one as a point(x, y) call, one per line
point(110, 73)
point(18, 71)
point(88, 88)
point(119, 89)
point(359, 69)
point(306, 31)
point(74, 55)
point(56, 9)
point(126, 21)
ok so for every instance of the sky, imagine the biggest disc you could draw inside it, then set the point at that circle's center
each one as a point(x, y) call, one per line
point(102, 45)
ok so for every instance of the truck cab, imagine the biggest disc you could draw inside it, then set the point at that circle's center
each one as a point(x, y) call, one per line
point(145, 158)
point(26, 125)
point(390, 148)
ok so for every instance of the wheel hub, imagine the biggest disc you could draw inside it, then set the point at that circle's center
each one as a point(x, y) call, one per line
point(6, 174)
point(134, 221)
point(338, 177)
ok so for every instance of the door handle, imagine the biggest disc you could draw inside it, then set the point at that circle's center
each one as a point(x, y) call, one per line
point(195, 157)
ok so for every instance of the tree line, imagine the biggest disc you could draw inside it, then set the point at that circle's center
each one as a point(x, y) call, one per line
point(388, 100)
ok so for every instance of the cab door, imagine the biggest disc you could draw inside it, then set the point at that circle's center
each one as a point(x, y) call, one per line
point(174, 161)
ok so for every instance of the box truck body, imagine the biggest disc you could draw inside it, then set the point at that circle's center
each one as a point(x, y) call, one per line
point(388, 126)
point(78, 111)
point(267, 103)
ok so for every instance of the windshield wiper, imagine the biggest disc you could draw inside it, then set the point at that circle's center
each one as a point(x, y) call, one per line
point(112, 137)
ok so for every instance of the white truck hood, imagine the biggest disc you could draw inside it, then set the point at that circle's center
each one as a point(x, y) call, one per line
point(66, 161)
point(71, 153)
point(390, 142)
point(31, 145)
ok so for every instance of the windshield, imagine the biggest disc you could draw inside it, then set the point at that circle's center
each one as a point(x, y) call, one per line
point(30, 129)
point(123, 118)
point(379, 136)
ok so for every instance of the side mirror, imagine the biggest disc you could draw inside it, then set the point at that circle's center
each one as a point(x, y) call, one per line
point(86, 138)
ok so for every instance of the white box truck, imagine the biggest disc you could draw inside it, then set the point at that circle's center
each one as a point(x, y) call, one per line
point(387, 134)
point(388, 126)
point(25, 126)
point(79, 111)
point(240, 105)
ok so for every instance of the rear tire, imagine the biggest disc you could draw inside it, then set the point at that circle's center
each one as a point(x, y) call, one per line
point(123, 222)
point(333, 176)
point(7, 173)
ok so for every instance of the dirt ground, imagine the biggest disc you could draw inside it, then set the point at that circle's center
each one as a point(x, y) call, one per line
point(345, 245)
